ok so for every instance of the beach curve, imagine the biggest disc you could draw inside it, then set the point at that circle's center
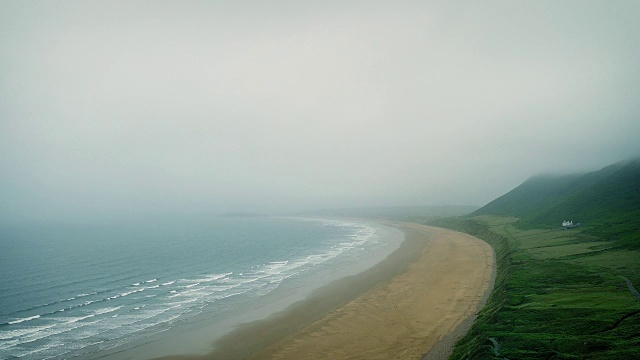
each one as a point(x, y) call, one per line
point(413, 305)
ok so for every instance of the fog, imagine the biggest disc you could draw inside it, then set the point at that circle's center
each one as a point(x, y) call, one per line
point(127, 109)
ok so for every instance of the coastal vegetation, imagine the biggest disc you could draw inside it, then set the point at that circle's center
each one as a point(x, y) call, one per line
point(560, 294)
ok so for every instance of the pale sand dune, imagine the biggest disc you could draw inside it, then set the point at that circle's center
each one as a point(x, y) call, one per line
point(402, 318)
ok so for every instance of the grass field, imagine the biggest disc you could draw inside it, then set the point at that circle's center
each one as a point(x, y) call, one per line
point(559, 294)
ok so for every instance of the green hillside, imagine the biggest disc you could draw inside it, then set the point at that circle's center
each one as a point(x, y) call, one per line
point(609, 208)
point(606, 202)
point(560, 294)
point(533, 196)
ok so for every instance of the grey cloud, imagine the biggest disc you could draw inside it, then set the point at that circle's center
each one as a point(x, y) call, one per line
point(131, 108)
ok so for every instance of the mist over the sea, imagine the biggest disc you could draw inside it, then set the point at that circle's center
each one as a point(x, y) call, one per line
point(123, 110)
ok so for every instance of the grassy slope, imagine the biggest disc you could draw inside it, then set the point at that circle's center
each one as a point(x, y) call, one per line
point(558, 295)
point(610, 207)
point(607, 201)
point(533, 196)
point(547, 200)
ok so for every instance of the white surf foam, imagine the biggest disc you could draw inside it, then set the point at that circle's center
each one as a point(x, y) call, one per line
point(23, 320)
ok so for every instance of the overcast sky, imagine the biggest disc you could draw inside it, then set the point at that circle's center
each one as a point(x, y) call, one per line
point(139, 107)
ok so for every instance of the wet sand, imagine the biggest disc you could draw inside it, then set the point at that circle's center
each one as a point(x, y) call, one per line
point(419, 300)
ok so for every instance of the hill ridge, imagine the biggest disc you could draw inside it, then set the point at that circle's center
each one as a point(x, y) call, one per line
point(607, 198)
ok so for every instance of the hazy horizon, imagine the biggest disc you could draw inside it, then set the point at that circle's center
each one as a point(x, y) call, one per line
point(121, 109)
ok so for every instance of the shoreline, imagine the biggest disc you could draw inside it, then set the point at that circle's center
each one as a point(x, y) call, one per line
point(194, 337)
point(415, 303)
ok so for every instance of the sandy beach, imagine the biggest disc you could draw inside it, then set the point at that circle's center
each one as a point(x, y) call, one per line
point(417, 302)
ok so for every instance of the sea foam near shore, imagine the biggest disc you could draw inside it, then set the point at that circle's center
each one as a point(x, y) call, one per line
point(108, 289)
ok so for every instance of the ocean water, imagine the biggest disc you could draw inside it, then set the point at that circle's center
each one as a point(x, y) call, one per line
point(79, 291)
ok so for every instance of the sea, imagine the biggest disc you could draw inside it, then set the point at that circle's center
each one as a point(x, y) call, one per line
point(84, 291)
